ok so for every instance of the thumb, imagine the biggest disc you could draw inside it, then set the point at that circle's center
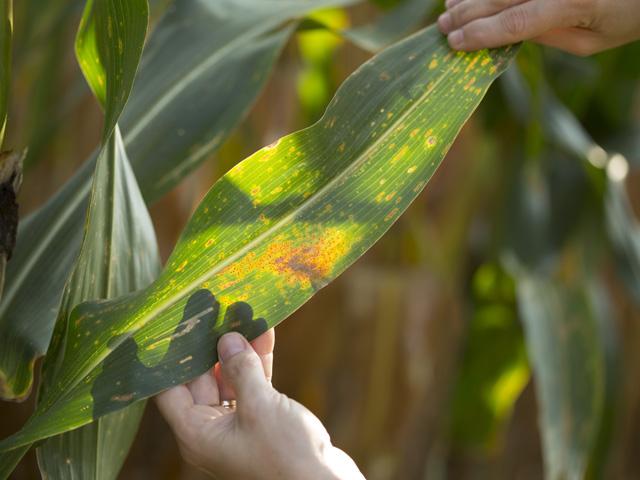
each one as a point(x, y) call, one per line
point(242, 368)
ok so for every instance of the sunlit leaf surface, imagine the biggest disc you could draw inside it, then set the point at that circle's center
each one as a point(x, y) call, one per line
point(273, 231)
point(206, 63)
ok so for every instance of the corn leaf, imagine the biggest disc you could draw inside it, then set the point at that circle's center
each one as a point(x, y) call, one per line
point(391, 26)
point(562, 338)
point(6, 26)
point(108, 47)
point(273, 231)
point(206, 63)
point(118, 255)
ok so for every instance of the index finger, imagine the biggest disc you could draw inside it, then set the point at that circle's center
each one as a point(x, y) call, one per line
point(520, 22)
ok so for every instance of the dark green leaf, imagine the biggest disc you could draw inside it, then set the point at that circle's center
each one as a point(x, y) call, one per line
point(118, 255)
point(568, 362)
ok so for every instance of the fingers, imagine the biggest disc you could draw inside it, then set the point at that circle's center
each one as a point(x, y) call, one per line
point(264, 345)
point(462, 12)
point(174, 404)
point(493, 23)
point(577, 41)
point(204, 389)
point(242, 368)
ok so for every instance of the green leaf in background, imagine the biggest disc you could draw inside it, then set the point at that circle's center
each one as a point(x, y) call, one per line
point(108, 47)
point(273, 231)
point(494, 368)
point(623, 229)
point(119, 249)
point(568, 363)
point(117, 219)
point(206, 63)
point(391, 26)
point(6, 26)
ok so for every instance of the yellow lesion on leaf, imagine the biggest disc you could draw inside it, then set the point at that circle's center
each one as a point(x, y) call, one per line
point(182, 266)
point(431, 142)
point(401, 153)
point(433, 64)
point(391, 215)
point(296, 264)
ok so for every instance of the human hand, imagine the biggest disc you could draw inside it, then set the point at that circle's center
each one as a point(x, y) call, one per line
point(267, 436)
point(581, 27)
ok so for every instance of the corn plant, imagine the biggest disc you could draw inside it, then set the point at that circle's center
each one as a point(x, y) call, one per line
point(269, 234)
point(85, 288)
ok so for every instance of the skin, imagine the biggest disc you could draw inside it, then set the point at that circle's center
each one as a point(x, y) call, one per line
point(268, 436)
point(581, 27)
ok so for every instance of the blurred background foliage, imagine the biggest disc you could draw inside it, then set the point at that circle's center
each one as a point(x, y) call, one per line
point(520, 262)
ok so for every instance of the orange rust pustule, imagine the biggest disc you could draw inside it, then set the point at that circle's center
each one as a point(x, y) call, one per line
point(301, 265)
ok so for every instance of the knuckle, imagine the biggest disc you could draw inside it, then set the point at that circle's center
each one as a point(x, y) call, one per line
point(514, 21)
point(582, 12)
point(474, 36)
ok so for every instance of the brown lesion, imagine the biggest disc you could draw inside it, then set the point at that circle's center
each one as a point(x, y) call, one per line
point(297, 264)
point(10, 182)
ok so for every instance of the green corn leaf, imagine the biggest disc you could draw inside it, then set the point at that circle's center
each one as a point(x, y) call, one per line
point(119, 250)
point(118, 255)
point(567, 357)
point(390, 27)
point(273, 231)
point(205, 64)
point(108, 47)
point(6, 26)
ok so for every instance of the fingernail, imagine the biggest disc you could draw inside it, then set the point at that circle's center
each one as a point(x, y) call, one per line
point(230, 345)
point(451, 3)
point(456, 39)
point(444, 21)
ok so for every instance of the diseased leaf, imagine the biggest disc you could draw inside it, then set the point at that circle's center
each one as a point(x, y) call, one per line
point(273, 231)
point(568, 363)
point(204, 91)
